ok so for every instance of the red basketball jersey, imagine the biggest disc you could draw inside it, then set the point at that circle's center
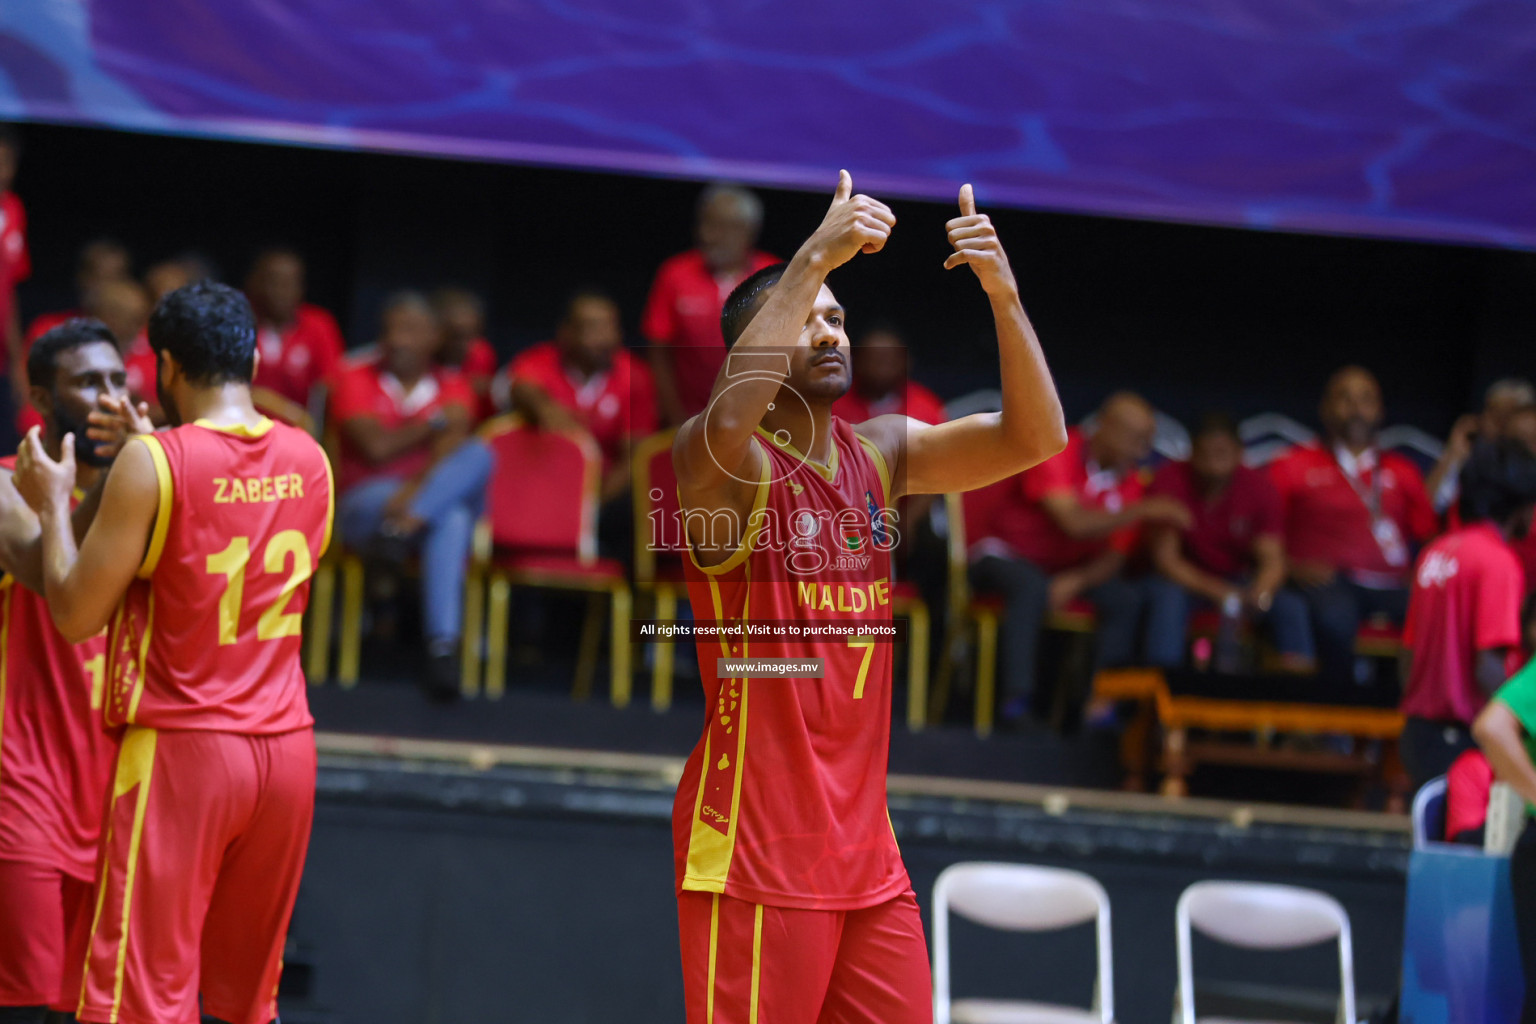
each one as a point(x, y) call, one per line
point(783, 800)
point(208, 636)
point(55, 754)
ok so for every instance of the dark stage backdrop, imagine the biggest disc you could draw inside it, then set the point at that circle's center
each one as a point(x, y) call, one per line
point(1195, 317)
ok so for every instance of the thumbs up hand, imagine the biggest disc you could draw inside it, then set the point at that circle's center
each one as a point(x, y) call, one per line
point(853, 224)
point(976, 243)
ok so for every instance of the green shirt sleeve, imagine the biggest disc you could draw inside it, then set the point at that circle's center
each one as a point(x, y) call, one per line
point(1519, 695)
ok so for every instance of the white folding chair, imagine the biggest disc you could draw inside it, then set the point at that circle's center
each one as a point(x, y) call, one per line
point(1021, 898)
point(1253, 915)
point(1429, 813)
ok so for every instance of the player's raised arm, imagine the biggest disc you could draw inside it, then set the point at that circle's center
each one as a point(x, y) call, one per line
point(716, 445)
point(83, 584)
point(977, 450)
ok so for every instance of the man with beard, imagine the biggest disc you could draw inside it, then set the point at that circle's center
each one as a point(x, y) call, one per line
point(793, 902)
point(1353, 514)
point(1462, 638)
point(55, 754)
point(200, 560)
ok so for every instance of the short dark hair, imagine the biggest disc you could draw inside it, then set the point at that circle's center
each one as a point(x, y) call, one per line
point(43, 359)
point(1498, 480)
point(1217, 422)
point(209, 329)
point(742, 304)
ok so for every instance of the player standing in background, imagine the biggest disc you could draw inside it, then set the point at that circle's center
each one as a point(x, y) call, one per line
point(55, 755)
point(793, 903)
point(200, 560)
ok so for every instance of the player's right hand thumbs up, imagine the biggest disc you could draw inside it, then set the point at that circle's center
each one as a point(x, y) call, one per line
point(853, 224)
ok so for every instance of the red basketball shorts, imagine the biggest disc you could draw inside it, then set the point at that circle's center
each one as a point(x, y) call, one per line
point(203, 848)
point(745, 963)
point(45, 920)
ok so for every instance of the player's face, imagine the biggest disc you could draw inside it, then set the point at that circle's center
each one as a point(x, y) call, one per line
point(82, 376)
point(819, 366)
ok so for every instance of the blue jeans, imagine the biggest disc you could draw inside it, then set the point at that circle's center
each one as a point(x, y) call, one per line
point(1025, 590)
point(1169, 606)
point(1334, 613)
point(449, 502)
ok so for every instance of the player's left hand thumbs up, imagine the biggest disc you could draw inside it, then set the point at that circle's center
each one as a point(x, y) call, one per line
point(975, 242)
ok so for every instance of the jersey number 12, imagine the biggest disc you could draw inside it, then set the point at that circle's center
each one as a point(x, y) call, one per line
point(231, 562)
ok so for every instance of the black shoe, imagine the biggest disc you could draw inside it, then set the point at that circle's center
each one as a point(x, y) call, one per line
point(391, 546)
point(441, 683)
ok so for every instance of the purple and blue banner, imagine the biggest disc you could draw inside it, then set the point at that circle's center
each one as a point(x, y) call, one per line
point(1396, 118)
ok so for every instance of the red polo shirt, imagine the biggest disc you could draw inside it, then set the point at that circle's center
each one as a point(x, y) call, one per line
point(1220, 540)
point(479, 365)
point(367, 389)
point(1007, 517)
point(913, 400)
point(1328, 520)
point(615, 407)
point(15, 261)
point(140, 365)
point(295, 360)
point(1466, 598)
point(683, 311)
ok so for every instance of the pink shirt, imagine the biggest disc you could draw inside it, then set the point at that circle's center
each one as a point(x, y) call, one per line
point(1466, 598)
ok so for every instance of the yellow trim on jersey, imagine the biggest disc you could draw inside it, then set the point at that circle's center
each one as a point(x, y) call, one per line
point(330, 511)
point(710, 853)
point(878, 459)
point(757, 961)
point(163, 512)
point(828, 471)
point(149, 631)
point(238, 429)
point(714, 945)
point(6, 593)
point(755, 522)
point(135, 768)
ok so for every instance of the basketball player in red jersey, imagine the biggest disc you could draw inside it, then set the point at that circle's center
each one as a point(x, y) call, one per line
point(793, 903)
point(55, 755)
point(199, 559)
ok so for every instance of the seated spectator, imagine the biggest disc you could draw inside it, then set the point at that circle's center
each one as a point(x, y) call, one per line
point(101, 261)
point(682, 315)
point(124, 306)
point(299, 343)
point(882, 383)
point(178, 272)
point(465, 349)
point(1352, 516)
point(1061, 531)
point(1503, 400)
point(1230, 557)
point(410, 475)
point(1463, 634)
point(15, 267)
point(586, 378)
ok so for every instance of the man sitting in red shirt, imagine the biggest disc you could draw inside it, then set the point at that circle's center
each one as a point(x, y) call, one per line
point(1463, 633)
point(101, 261)
point(1353, 514)
point(15, 267)
point(586, 378)
point(465, 349)
point(682, 315)
point(410, 474)
point(1062, 531)
point(300, 344)
point(1230, 556)
point(881, 384)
